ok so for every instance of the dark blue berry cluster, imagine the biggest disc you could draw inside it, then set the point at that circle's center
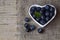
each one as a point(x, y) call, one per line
point(29, 27)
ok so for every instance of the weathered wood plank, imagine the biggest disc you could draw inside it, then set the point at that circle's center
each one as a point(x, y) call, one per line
point(52, 30)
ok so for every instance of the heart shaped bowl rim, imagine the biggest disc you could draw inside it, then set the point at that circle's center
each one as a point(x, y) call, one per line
point(41, 7)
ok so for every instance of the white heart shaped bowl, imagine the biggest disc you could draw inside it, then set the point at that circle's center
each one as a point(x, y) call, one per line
point(41, 7)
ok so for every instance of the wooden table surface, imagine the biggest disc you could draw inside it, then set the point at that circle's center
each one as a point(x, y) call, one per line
point(52, 30)
point(12, 14)
point(8, 20)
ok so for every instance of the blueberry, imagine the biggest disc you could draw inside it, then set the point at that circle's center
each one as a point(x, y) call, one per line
point(47, 7)
point(27, 30)
point(32, 27)
point(42, 22)
point(38, 9)
point(43, 10)
point(47, 18)
point(26, 25)
point(42, 17)
point(46, 13)
point(33, 9)
point(51, 14)
point(40, 30)
point(52, 9)
point(37, 19)
point(27, 19)
point(33, 16)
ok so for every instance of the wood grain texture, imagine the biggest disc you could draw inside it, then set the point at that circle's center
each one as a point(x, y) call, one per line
point(8, 20)
point(52, 30)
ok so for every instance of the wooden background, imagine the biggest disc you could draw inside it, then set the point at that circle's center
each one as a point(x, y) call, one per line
point(52, 30)
point(12, 14)
point(8, 20)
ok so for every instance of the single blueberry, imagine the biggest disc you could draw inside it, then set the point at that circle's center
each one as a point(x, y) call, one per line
point(47, 7)
point(40, 30)
point(46, 13)
point(42, 22)
point(42, 17)
point(26, 25)
point(51, 14)
point(43, 10)
point(34, 17)
point(52, 9)
point(33, 9)
point(32, 27)
point(38, 9)
point(27, 19)
point(47, 18)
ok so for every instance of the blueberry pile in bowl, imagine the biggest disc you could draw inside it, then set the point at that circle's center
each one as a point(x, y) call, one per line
point(42, 14)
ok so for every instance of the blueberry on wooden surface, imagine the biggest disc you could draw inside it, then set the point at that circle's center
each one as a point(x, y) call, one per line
point(29, 27)
point(32, 27)
point(27, 19)
point(26, 25)
point(27, 30)
point(40, 30)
